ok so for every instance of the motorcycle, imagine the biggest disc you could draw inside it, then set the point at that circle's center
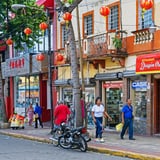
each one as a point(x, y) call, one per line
point(73, 138)
point(57, 132)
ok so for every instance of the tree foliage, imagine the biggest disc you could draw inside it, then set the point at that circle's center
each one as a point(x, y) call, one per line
point(13, 22)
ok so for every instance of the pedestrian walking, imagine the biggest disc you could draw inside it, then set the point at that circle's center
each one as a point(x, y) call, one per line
point(98, 111)
point(38, 115)
point(30, 114)
point(127, 119)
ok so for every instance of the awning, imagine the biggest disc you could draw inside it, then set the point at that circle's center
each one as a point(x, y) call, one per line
point(108, 76)
point(148, 63)
point(46, 3)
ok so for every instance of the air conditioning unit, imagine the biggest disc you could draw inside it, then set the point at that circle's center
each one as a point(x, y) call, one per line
point(110, 40)
point(85, 46)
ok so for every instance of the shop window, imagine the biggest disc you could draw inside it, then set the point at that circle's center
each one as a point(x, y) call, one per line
point(140, 101)
point(27, 91)
point(89, 102)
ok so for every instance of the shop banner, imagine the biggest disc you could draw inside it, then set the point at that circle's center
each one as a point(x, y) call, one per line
point(148, 63)
point(113, 85)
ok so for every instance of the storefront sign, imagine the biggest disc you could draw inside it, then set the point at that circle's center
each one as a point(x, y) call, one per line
point(16, 66)
point(139, 85)
point(148, 63)
point(113, 85)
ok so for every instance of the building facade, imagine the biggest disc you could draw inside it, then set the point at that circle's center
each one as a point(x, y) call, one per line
point(130, 71)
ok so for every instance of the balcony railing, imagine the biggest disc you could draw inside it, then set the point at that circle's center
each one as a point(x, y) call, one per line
point(102, 45)
point(142, 36)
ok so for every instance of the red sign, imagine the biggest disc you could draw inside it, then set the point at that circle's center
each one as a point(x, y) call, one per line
point(148, 63)
point(113, 85)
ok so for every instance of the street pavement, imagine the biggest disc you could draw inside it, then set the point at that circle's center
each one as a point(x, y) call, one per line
point(143, 148)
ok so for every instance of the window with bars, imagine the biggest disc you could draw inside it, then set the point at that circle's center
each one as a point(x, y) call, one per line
point(113, 18)
point(145, 19)
point(88, 25)
point(64, 35)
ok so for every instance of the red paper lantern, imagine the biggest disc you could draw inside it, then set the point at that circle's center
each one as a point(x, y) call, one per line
point(104, 11)
point(40, 57)
point(67, 17)
point(43, 26)
point(27, 31)
point(60, 57)
point(9, 41)
point(146, 4)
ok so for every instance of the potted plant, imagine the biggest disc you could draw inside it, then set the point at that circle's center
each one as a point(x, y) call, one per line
point(117, 42)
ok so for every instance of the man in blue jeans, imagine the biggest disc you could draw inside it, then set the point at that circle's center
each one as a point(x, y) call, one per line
point(127, 119)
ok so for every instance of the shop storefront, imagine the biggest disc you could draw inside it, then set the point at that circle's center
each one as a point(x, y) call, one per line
point(149, 65)
point(27, 83)
point(64, 89)
point(113, 92)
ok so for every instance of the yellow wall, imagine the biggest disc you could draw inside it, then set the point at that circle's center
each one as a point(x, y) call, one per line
point(88, 69)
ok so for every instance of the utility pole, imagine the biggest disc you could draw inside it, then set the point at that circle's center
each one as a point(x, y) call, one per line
point(50, 69)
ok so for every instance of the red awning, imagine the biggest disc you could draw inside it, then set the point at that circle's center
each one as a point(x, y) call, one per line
point(46, 3)
point(148, 63)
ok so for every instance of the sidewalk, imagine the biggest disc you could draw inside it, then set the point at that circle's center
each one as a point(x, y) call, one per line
point(143, 148)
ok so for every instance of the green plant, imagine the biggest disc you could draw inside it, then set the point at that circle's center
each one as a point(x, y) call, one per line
point(117, 42)
point(13, 25)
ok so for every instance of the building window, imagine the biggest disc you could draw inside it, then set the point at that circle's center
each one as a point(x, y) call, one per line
point(88, 27)
point(64, 35)
point(113, 18)
point(145, 19)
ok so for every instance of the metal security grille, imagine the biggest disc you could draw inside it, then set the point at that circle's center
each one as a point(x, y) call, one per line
point(113, 19)
point(88, 25)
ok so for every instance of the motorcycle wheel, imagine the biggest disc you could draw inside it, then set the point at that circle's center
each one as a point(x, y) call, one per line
point(64, 142)
point(82, 144)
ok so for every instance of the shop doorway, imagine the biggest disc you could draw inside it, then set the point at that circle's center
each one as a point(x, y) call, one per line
point(156, 110)
point(113, 102)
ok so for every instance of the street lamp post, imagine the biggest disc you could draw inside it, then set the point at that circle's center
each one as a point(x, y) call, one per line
point(21, 6)
point(50, 69)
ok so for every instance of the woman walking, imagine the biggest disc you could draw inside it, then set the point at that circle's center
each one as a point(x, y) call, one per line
point(98, 112)
point(30, 113)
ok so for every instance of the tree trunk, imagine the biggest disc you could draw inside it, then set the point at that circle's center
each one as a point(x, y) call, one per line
point(74, 61)
point(75, 77)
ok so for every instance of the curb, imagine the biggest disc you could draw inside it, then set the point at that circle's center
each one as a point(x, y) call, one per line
point(119, 153)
